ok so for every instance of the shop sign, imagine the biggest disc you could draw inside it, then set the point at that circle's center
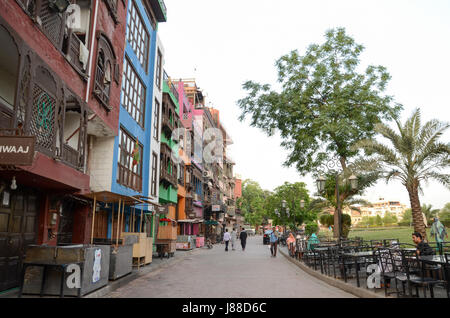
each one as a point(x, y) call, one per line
point(17, 150)
point(215, 208)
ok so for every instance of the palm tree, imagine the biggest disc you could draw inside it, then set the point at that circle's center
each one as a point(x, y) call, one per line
point(416, 156)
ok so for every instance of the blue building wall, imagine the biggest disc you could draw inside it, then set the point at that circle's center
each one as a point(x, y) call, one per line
point(129, 124)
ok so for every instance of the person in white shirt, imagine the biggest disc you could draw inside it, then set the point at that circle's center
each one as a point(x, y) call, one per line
point(233, 239)
point(226, 238)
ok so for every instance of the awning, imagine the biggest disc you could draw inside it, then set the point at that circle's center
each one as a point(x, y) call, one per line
point(191, 221)
point(111, 197)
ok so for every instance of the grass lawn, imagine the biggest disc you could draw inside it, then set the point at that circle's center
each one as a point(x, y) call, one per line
point(403, 234)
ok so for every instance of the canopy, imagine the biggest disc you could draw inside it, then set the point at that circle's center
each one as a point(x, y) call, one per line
point(191, 221)
point(111, 197)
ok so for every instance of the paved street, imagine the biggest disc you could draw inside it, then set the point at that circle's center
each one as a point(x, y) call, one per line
point(216, 273)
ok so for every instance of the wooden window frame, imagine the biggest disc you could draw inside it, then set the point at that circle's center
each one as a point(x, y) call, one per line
point(125, 151)
point(156, 120)
point(112, 8)
point(100, 90)
point(129, 91)
point(154, 174)
point(135, 38)
point(158, 69)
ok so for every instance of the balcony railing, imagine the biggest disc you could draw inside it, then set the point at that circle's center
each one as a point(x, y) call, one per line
point(71, 156)
point(172, 87)
point(167, 175)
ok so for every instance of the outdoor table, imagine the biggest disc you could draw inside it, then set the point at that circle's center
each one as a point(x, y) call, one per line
point(46, 265)
point(409, 249)
point(356, 256)
point(434, 259)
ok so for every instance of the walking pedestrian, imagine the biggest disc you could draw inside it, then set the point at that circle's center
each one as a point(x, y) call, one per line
point(291, 244)
point(438, 230)
point(233, 238)
point(226, 239)
point(274, 235)
point(243, 238)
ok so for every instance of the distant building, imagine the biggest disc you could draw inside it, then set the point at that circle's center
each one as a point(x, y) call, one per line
point(382, 206)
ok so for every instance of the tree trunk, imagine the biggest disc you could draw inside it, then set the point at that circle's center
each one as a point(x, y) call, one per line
point(419, 225)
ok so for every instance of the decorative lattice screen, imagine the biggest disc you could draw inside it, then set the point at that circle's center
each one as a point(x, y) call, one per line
point(52, 24)
point(43, 118)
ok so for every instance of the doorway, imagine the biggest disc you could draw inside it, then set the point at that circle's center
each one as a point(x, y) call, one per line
point(18, 229)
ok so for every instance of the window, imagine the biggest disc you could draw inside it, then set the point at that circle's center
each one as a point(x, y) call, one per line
point(9, 66)
point(158, 70)
point(156, 121)
point(106, 61)
point(154, 173)
point(112, 7)
point(129, 174)
point(137, 35)
point(133, 93)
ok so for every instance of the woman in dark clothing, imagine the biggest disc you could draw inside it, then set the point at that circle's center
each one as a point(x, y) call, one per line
point(243, 238)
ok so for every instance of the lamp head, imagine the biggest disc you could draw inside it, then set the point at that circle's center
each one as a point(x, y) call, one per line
point(353, 182)
point(302, 203)
point(321, 183)
point(13, 183)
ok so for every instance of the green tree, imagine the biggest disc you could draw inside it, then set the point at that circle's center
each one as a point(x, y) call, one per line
point(310, 228)
point(416, 156)
point(252, 202)
point(324, 106)
point(406, 218)
point(444, 215)
point(389, 219)
point(292, 193)
point(378, 220)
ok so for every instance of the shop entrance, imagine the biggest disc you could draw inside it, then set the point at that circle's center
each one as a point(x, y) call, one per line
point(18, 229)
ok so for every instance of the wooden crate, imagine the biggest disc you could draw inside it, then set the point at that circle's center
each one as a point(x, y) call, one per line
point(167, 232)
point(149, 250)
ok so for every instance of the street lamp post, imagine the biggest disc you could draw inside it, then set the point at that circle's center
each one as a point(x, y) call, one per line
point(330, 167)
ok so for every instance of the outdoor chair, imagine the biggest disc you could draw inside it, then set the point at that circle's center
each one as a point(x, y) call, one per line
point(414, 275)
point(390, 242)
point(331, 260)
point(447, 273)
point(385, 262)
point(346, 264)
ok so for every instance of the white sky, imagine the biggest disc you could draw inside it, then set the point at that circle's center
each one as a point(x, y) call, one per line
point(224, 43)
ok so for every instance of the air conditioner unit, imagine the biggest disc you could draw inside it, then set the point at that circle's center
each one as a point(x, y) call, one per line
point(73, 20)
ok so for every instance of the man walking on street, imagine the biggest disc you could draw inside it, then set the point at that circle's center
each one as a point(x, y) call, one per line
point(243, 238)
point(226, 238)
point(273, 242)
point(233, 239)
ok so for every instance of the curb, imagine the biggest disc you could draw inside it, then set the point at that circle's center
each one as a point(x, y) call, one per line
point(356, 291)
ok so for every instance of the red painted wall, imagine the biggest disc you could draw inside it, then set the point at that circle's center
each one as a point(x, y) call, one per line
point(82, 225)
point(116, 34)
point(238, 188)
point(36, 40)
